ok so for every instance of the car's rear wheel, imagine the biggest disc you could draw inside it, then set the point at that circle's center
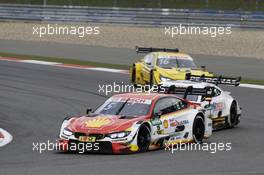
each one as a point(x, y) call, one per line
point(233, 115)
point(151, 78)
point(143, 138)
point(133, 78)
point(198, 129)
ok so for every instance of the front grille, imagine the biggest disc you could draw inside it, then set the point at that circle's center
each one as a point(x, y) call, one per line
point(97, 136)
point(78, 134)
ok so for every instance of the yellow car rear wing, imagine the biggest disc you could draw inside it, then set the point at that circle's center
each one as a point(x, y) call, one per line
point(153, 49)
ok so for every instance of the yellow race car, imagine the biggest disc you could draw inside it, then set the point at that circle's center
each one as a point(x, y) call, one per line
point(161, 65)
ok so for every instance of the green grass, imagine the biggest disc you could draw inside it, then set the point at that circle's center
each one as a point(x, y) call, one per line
point(251, 5)
point(252, 81)
point(96, 64)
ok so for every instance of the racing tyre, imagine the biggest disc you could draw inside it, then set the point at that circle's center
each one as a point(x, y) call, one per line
point(151, 77)
point(143, 138)
point(198, 129)
point(233, 115)
point(133, 78)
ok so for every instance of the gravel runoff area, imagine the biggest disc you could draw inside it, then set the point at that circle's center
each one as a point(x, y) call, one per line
point(241, 42)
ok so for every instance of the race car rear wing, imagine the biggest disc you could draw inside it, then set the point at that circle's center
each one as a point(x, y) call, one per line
point(214, 80)
point(153, 49)
point(185, 91)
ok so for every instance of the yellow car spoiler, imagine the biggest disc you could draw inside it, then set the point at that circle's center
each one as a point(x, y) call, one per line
point(153, 49)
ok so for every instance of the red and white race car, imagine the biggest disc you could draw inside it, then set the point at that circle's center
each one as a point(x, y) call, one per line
point(222, 108)
point(135, 122)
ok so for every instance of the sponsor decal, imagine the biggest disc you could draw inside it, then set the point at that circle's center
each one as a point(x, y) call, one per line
point(175, 123)
point(160, 131)
point(165, 123)
point(218, 106)
point(158, 127)
point(134, 148)
point(97, 122)
point(175, 138)
point(132, 100)
point(184, 122)
point(87, 139)
point(156, 122)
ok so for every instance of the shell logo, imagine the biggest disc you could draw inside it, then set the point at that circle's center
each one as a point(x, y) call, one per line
point(97, 122)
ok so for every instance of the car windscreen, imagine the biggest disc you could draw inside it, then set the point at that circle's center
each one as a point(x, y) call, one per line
point(185, 63)
point(125, 107)
point(167, 62)
point(175, 62)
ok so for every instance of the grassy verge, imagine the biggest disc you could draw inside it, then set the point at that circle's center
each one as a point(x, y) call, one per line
point(252, 81)
point(190, 4)
point(65, 61)
point(96, 64)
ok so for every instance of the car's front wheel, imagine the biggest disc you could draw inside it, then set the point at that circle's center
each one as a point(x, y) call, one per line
point(143, 138)
point(198, 129)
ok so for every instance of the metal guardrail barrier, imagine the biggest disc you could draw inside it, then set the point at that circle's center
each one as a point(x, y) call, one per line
point(140, 16)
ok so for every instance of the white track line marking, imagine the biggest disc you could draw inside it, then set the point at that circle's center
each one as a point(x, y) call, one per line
point(39, 62)
point(254, 86)
point(107, 70)
point(7, 138)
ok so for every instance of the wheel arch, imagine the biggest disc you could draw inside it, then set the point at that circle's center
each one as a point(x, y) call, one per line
point(147, 125)
point(234, 101)
point(200, 114)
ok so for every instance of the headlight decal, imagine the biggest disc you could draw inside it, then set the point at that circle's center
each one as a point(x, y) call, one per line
point(119, 134)
point(67, 132)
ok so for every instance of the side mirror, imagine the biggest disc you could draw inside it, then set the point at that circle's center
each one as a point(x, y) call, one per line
point(88, 110)
point(157, 115)
point(208, 107)
point(148, 63)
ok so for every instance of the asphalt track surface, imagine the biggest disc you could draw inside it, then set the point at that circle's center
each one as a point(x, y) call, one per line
point(226, 65)
point(36, 98)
